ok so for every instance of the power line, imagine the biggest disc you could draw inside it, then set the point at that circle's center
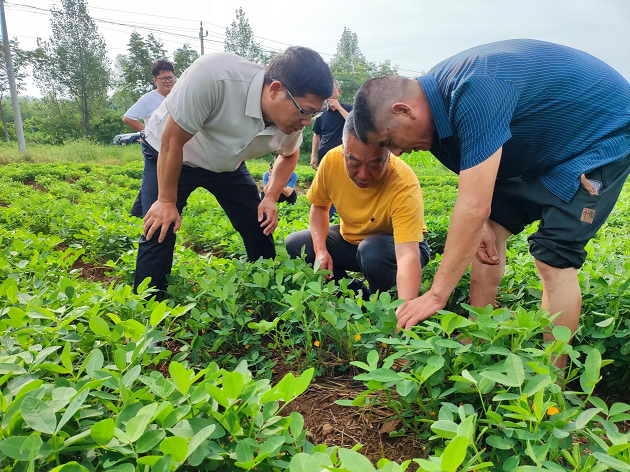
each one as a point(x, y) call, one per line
point(137, 26)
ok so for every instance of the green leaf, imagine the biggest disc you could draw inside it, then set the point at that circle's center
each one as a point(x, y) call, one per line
point(158, 314)
point(72, 408)
point(586, 416)
point(500, 442)
point(12, 447)
point(514, 369)
point(612, 462)
point(93, 362)
point(103, 431)
point(454, 454)
point(199, 438)
point(149, 440)
point(303, 381)
point(592, 366)
point(499, 378)
point(383, 375)
point(163, 464)
point(66, 359)
point(304, 463)
point(355, 462)
point(434, 363)
point(73, 466)
point(561, 333)
point(233, 383)
point(32, 445)
point(38, 415)
point(181, 376)
point(297, 424)
point(136, 427)
point(99, 326)
point(120, 358)
point(445, 429)
point(176, 446)
point(618, 408)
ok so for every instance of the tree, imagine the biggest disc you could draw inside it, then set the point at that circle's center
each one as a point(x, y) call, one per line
point(239, 39)
point(74, 60)
point(183, 57)
point(135, 67)
point(351, 68)
point(19, 60)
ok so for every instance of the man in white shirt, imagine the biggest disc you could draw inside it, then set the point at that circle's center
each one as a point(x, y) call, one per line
point(223, 111)
point(164, 79)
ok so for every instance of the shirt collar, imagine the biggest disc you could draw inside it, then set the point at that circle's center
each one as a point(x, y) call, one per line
point(436, 103)
point(253, 105)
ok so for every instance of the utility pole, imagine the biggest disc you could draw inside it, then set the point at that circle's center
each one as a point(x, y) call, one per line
point(17, 116)
point(201, 35)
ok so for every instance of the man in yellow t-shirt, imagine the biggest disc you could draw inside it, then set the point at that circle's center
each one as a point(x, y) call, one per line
point(379, 200)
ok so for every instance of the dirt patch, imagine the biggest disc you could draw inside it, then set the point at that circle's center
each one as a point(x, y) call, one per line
point(336, 425)
point(3, 204)
point(35, 185)
point(93, 272)
point(173, 346)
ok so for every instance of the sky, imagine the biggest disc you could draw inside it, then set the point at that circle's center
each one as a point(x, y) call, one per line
point(413, 34)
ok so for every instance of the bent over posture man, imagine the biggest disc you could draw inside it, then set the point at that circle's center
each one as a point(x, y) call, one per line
point(536, 131)
point(379, 200)
point(223, 111)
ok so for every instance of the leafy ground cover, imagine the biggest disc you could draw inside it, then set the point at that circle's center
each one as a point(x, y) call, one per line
point(264, 366)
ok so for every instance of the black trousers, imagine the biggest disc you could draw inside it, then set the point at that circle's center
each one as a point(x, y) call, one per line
point(374, 256)
point(235, 191)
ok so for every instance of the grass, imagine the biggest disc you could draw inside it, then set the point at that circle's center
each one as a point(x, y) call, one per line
point(423, 163)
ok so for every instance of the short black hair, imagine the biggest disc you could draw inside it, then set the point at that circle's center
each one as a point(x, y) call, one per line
point(362, 111)
point(160, 65)
point(302, 71)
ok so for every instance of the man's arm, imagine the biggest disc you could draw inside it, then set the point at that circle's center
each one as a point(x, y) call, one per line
point(335, 105)
point(472, 209)
point(133, 124)
point(314, 151)
point(318, 224)
point(164, 212)
point(282, 170)
point(409, 272)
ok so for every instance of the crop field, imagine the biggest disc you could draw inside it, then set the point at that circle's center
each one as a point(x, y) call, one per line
point(265, 366)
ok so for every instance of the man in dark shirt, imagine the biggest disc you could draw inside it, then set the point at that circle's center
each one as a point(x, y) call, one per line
point(536, 131)
point(328, 128)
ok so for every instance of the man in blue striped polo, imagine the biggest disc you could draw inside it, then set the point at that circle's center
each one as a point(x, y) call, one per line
point(536, 131)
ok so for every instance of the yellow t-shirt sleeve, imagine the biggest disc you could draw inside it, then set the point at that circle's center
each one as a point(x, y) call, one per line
point(318, 193)
point(408, 215)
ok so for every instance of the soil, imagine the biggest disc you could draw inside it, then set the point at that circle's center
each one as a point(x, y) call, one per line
point(336, 425)
point(35, 185)
point(93, 272)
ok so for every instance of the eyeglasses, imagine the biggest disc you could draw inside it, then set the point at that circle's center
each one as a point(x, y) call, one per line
point(170, 78)
point(312, 114)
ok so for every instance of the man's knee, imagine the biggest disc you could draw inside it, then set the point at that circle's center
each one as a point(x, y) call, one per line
point(374, 254)
point(551, 275)
point(295, 242)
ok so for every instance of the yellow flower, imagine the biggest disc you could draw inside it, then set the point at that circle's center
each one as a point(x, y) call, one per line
point(316, 343)
point(433, 413)
point(249, 310)
point(194, 289)
point(384, 345)
point(357, 337)
point(246, 346)
point(552, 410)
